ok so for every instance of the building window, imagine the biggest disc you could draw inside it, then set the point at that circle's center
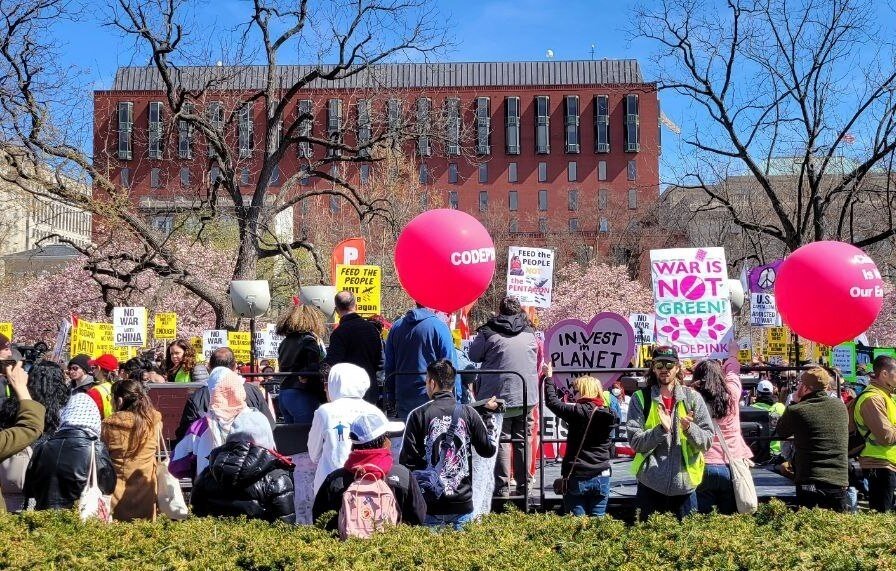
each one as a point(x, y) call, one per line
point(571, 122)
point(542, 172)
point(632, 170)
point(155, 178)
point(215, 114)
point(452, 126)
point(275, 176)
point(163, 224)
point(483, 173)
point(277, 138)
point(604, 225)
point(633, 198)
point(573, 200)
point(512, 125)
point(214, 174)
point(602, 124)
point(573, 224)
point(365, 132)
point(364, 173)
point(632, 124)
point(452, 200)
point(185, 177)
point(543, 225)
point(304, 179)
point(334, 127)
point(543, 200)
point(244, 177)
point(125, 130)
point(483, 126)
point(452, 173)
point(155, 129)
point(245, 130)
point(393, 116)
point(511, 173)
point(602, 198)
point(125, 178)
point(572, 172)
point(424, 105)
point(483, 200)
point(424, 175)
point(513, 201)
point(185, 134)
point(306, 124)
point(334, 204)
point(542, 125)
point(601, 170)
point(514, 226)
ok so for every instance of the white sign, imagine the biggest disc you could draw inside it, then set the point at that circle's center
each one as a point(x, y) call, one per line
point(693, 312)
point(763, 311)
point(843, 357)
point(129, 326)
point(643, 324)
point(267, 344)
point(211, 340)
point(530, 275)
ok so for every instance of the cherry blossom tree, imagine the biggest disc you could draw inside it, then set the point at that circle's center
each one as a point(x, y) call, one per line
point(883, 332)
point(583, 291)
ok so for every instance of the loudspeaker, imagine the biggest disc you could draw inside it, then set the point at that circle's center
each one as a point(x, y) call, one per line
point(250, 298)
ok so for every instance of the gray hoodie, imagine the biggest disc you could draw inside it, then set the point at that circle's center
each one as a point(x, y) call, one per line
point(663, 470)
point(507, 342)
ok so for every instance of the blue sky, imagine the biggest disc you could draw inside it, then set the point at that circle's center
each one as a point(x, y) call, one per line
point(482, 30)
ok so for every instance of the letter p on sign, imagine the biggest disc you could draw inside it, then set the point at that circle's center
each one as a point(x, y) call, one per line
point(350, 254)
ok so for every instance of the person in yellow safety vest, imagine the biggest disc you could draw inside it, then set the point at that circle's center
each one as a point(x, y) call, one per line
point(765, 400)
point(875, 419)
point(105, 369)
point(669, 428)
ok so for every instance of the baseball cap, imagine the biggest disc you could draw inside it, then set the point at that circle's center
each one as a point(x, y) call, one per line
point(105, 362)
point(765, 387)
point(665, 353)
point(371, 425)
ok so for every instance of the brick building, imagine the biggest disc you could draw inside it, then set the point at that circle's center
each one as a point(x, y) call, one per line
point(551, 148)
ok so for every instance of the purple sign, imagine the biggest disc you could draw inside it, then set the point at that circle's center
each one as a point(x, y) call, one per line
point(606, 342)
point(762, 278)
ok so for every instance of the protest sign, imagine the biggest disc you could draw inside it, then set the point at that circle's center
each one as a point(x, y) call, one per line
point(363, 281)
point(211, 340)
point(745, 350)
point(777, 345)
point(843, 357)
point(885, 351)
point(761, 279)
point(864, 356)
point(267, 344)
point(105, 340)
point(240, 342)
point(130, 326)
point(84, 342)
point(642, 324)
point(693, 312)
point(65, 327)
point(165, 326)
point(197, 344)
point(763, 312)
point(124, 354)
point(606, 342)
point(530, 275)
point(6, 329)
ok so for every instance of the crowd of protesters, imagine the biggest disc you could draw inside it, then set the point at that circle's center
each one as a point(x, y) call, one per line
point(397, 432)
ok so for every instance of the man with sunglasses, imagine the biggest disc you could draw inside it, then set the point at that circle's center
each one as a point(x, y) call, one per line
point(79, 374)
point(669, 428)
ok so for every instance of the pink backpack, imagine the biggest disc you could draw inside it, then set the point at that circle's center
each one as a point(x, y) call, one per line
point(368, 505)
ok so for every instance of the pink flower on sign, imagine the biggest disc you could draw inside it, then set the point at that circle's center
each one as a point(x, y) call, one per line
point(701, 255)
point(714, 328)
point(673, 329)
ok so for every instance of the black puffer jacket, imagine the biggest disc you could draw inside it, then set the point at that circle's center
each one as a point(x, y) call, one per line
point(57, 474)
point(244, 479)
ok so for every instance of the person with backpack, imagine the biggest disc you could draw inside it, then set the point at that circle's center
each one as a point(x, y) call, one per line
point(670, 429)
point(873, 415)
point(438, 447)
point(371, 491)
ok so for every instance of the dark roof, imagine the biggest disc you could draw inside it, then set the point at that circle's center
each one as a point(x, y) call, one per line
point(398, 75)
point(49, 253)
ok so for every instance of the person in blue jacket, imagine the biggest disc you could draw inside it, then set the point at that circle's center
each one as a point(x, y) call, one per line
point(415, 340)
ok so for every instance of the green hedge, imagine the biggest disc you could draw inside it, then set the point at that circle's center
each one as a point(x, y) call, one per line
point(776, 538)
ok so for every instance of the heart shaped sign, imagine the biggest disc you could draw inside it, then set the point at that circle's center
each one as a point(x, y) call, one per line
point(606, 342)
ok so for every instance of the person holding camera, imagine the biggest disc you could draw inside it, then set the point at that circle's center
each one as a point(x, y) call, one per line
point(585, 473)
point(29, 420)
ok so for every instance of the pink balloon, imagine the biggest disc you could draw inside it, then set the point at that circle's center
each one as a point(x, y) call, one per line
point(445, 259)
point(829, 292)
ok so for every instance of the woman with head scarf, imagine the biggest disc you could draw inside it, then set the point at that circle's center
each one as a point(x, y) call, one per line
point(227, 403)
point(60, 466)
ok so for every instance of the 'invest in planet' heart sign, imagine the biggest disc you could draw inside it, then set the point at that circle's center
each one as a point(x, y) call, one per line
point(606, 342)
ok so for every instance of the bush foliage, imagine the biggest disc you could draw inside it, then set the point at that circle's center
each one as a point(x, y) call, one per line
point(775, 538)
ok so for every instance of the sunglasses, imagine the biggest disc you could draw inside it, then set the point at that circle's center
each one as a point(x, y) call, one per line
point(665, 365)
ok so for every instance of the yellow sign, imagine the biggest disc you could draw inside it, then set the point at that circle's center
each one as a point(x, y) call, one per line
point(776, 342)
point(455, 334)
point(83, 340)
point(165, 326)
point(124, 354)
point(6, 329)
point(240, 343)
point(196, 343)
point(104, 341)
point(363, 281)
